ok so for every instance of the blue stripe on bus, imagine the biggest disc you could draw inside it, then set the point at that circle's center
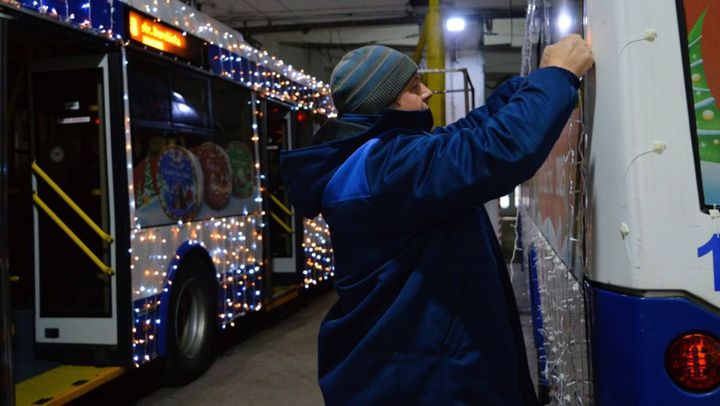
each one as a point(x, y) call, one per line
point(630, 335)
point(536, 314)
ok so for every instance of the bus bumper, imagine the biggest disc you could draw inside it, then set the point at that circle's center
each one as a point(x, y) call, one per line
point(630, 335)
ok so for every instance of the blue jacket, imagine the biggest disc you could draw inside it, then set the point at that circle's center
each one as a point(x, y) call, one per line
point(426, 312)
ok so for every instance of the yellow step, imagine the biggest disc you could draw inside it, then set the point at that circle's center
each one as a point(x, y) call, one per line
point(282, 295)
point(62, 384)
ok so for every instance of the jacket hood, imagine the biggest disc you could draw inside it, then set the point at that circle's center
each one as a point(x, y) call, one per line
point(305, 172)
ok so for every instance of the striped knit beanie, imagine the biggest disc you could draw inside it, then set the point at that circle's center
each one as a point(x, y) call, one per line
point(368, 79)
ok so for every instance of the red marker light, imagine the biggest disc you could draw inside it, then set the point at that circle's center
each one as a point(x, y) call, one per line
point(693, 362)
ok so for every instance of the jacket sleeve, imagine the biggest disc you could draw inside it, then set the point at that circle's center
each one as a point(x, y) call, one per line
point(497, 100)
point(421, 179)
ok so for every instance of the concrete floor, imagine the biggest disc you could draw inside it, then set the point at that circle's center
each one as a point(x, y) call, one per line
point(276, 366)
point(272, 360)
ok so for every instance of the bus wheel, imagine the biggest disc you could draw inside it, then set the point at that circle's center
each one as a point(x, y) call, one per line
point(191, 328)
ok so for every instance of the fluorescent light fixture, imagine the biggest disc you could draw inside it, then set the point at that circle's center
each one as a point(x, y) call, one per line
point(505, 202)
point(564, 22)
point(455, 24)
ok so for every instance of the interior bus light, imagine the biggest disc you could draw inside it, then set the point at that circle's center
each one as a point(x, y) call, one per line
point(693, 362)
point(564, 23)
point(455, 24)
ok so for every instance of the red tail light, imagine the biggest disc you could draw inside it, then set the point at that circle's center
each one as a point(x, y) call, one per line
point(693, 362)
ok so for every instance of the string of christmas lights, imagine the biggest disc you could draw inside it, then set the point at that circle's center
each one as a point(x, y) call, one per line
point(555, 242)
point(234, 243)
point(319, 264)
point(230, 56)
point(567, 368)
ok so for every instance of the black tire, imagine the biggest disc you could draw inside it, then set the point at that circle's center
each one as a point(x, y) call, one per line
point(191, 325)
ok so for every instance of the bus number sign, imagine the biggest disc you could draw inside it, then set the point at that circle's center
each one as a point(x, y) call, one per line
point(157, 35)
point(712, 246)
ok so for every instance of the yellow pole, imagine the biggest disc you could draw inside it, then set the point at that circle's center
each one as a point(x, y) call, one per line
point(417, 54)
point(436, 60)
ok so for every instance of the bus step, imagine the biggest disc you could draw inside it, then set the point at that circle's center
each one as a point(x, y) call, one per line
point(62, 384)
point(282, 295)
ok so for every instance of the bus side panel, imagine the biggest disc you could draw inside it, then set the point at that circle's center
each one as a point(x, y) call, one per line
point(238, 272)
point(630, 336)
point(560, 322)
point(318, 264)
point(537, 323)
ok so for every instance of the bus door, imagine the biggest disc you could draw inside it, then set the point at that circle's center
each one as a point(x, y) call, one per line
point(72, 192)
point(6, 376)
point(282, 224)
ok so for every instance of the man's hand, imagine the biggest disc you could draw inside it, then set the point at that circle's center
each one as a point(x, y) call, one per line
point(571, 53)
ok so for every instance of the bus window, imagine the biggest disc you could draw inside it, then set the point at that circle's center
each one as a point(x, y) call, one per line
point(547, 22)
point(185, 173)
point(189, 100)
point(702, 67)
point(150, 84)
point(167, 97)
point(233, 117)
point(181, 175)
point(564, 18)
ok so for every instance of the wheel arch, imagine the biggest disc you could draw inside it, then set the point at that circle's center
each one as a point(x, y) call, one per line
point(186, 251)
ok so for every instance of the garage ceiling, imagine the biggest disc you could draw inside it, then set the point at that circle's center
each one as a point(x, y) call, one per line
point(282, 15)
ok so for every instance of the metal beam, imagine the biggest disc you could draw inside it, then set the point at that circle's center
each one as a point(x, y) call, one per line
point(248, 29)
point(346, 46)
point(342, 46)
point(254, 30)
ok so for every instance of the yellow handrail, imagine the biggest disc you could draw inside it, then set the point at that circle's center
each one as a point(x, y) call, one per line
point(72, 235)
point(71, 203)
point(282, 224)
point(281, 205)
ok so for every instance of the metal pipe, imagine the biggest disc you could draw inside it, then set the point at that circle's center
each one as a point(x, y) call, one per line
point(448, 91)
point(466, 78)
point(44, 176)
point(281, 205)
point(468, 87)
point(54, 217)
point(443, 70)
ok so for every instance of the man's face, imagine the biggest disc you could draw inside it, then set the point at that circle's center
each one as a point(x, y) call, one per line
point(413, 96)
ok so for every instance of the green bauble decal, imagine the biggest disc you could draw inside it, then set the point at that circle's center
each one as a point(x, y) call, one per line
point(707, 115)
point(241, 162)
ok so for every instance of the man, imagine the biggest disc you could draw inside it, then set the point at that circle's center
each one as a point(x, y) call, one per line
point(426, 312)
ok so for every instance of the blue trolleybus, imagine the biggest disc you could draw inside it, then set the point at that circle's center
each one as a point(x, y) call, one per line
point(142, 208)
point(620, 228)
